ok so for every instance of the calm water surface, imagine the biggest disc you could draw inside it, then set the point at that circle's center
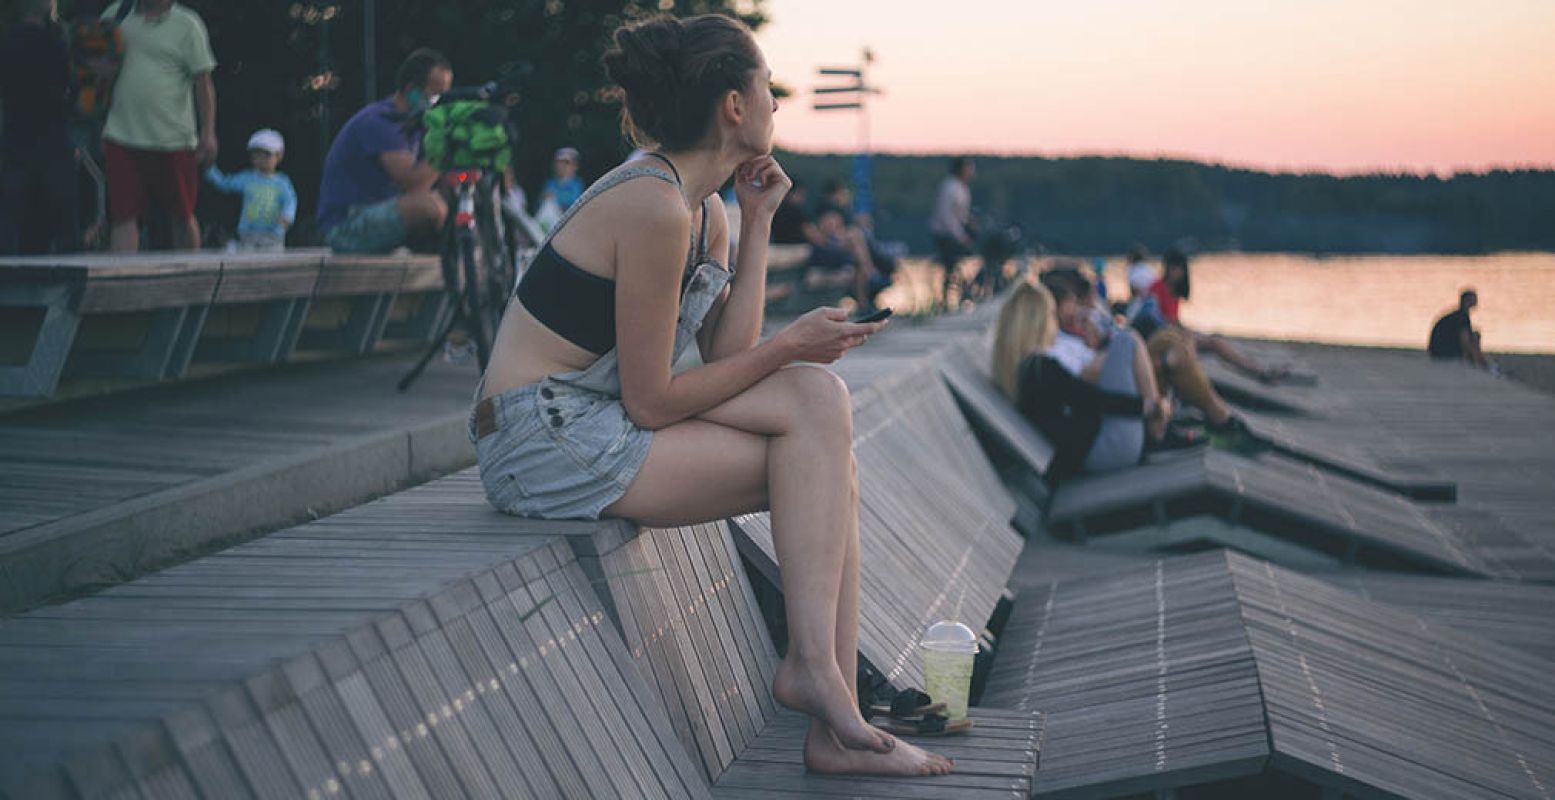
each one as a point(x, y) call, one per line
point(1370, 300)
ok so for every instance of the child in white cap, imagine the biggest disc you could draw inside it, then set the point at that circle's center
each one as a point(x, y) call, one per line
point(269, 201)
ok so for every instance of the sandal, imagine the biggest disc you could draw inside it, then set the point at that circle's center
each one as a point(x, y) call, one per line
point(908, 704)
point(928, 725)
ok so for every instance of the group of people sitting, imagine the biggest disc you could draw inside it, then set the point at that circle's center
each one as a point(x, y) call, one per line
point(842, 245)
point(1098, 380)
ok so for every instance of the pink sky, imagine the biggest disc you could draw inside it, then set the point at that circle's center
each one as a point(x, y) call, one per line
point(1332, 85)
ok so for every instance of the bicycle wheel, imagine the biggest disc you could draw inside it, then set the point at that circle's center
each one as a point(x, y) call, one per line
point(470, 297)
point(496, 254)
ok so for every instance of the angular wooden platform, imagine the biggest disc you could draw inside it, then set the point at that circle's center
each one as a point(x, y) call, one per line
point(1200, 670)
point(1296, 501)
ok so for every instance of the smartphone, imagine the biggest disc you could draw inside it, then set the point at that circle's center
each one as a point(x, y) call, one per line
point(879, 316)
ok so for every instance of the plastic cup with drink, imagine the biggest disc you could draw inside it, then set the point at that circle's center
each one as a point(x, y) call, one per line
point(949, 650)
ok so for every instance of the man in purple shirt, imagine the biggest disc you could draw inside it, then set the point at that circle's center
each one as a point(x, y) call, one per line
point(374, 192)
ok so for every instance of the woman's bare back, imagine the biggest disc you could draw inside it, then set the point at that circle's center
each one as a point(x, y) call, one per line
point(526, 350)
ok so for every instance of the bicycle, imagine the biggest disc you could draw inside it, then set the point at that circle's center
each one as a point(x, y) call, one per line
point(480, 242)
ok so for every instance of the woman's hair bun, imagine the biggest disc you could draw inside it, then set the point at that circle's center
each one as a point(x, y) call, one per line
point(647, 55)
point(673, 72)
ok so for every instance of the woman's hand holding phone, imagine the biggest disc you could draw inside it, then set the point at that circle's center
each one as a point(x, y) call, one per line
point(823, 335)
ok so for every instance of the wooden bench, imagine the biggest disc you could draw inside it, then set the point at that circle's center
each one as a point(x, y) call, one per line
point(147, 316)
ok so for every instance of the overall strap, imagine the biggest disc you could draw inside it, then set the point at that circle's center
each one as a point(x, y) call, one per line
point(610, 180)
point(700, 253)
point(702, 237)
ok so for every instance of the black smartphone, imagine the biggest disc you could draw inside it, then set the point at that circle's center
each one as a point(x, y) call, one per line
point(878, 316)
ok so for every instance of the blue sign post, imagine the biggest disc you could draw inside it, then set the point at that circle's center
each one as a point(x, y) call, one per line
point(862, 171)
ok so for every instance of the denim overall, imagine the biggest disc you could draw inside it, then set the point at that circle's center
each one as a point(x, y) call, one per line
point(564, 447)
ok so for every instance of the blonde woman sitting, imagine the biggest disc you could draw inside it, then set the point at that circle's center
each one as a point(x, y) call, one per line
point(1094, 407)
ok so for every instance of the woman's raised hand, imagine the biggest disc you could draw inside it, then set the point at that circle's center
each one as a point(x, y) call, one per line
point(824, 334)
point(759, 186)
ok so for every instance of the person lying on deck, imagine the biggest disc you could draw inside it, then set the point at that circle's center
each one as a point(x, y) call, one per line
point(580, 414)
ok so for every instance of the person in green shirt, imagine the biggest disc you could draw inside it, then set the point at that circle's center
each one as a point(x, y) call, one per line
point(152, 145)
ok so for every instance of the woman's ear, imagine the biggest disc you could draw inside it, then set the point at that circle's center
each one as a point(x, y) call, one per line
point(733, 107)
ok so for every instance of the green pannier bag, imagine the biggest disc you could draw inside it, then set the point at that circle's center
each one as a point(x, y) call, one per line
point(466, 134)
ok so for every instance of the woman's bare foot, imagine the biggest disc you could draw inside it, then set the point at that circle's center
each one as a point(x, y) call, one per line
point(825, 697)
point(823, 753)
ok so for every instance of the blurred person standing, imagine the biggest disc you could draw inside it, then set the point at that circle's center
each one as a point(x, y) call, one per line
point(152, 146)
point(37, 159)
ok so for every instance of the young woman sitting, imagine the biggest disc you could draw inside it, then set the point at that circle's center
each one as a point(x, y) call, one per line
point(582, 413)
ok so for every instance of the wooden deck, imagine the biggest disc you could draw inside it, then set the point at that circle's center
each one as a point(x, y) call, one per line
point(94, 492)
point(423, 645)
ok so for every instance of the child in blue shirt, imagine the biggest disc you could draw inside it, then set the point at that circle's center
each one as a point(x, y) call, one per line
point(269, 201)
point(566, 186)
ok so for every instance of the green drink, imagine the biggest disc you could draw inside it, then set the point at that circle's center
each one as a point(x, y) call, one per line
point(949, 650)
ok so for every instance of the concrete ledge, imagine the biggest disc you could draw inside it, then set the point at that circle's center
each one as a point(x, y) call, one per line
point(118, 543)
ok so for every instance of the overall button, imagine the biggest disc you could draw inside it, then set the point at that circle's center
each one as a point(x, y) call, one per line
point(547, 393)
point(556, 421)
point(553, 412)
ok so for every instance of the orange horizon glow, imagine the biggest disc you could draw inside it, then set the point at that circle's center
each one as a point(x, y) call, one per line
point(1418, 86)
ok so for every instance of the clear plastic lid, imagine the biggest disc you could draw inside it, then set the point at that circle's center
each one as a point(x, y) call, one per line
point(950, 637)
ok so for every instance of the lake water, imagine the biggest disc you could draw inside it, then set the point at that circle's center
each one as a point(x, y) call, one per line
point(1371, 300)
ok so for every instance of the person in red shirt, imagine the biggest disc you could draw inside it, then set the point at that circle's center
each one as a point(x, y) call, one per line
point(1172, 289)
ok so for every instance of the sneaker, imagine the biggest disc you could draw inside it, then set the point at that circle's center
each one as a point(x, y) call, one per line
point(1178, 438)
point(1234, 435)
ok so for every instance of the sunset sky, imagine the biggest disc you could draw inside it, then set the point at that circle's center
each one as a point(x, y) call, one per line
point(1332, 85)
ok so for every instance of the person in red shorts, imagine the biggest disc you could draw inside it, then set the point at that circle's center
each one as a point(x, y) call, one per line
point(152, 148)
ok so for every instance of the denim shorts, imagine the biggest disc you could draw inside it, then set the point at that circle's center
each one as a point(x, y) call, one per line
point(559, 451)
point(375, 229)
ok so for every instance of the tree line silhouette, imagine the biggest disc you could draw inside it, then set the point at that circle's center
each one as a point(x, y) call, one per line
point(1106, 204)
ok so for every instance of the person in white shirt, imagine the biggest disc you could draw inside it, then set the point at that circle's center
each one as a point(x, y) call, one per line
point(950, 222)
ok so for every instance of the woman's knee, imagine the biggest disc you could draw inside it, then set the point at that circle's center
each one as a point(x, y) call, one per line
point(818, 400)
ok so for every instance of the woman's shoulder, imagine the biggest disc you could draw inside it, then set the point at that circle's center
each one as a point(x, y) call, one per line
point(642, 198)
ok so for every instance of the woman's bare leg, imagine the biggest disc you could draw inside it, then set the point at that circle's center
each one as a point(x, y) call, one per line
point(1204, 342)
point(803, 418)
point(1193, 387)
point(1149, 392)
